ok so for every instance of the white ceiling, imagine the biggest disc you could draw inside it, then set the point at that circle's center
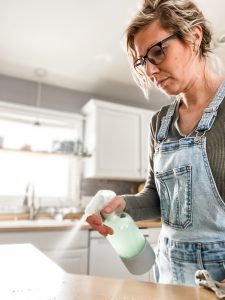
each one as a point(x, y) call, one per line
point(78, 42)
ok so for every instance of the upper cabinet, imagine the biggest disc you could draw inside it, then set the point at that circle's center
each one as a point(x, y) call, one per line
point(146, 116)
point(117, 137)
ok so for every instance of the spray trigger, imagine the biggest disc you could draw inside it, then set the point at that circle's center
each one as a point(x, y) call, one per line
point(98, 202)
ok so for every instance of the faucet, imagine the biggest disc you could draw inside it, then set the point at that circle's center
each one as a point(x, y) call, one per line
point(29, 201)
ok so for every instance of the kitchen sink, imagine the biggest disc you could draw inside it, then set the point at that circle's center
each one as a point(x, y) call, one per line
point(43, 220)
point(41, 217)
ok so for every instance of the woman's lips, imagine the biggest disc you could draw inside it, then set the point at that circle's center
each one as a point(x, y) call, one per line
point(162, 82)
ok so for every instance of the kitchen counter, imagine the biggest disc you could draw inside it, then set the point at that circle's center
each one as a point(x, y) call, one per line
point(26, 273)
point(40, 225)
point(98, 288)
point(149, 223)
point(20, 223)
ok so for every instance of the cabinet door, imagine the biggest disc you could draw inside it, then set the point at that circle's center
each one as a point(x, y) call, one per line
point(49, 240)
point(72, 261)
point(153, 241)
point(118, 144)
point(145, 133)
point(152, 277)
point(71, 252)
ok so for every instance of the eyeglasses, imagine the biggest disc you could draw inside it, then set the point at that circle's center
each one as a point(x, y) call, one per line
point(155, 54)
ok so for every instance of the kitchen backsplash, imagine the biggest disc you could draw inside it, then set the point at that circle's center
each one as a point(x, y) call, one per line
point(90, 186)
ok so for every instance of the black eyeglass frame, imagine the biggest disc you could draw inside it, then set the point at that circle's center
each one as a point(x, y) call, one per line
point(144, 59)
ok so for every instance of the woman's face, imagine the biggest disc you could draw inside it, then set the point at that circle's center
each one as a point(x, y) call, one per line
point(178, 69)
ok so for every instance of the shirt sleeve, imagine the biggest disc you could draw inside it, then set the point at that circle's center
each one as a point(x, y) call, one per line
point(146, 204)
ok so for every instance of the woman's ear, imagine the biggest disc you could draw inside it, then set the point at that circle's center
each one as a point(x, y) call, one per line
point(197, 36)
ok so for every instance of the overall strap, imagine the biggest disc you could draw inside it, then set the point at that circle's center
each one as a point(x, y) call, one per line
point(165, 122)
point(210, 112)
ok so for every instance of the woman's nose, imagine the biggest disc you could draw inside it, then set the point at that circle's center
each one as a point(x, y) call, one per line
point(151, 69)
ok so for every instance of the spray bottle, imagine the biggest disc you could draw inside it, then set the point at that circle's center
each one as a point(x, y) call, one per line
point(127, 240)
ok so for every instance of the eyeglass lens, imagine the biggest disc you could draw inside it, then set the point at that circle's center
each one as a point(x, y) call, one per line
point(155, 55)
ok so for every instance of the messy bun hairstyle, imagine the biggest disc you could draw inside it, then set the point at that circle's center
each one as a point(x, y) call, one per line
point(173, 15)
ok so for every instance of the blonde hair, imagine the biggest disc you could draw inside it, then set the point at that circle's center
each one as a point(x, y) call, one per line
point(173, 15)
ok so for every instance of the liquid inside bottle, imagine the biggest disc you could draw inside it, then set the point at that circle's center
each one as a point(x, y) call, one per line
point(127, 240)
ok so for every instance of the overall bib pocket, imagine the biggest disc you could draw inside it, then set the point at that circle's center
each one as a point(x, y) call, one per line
point(175, 191)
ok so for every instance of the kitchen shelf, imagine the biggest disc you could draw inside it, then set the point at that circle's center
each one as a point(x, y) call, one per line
point(43, 153)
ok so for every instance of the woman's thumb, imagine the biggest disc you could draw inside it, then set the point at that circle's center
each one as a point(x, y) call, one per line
point(116, 204)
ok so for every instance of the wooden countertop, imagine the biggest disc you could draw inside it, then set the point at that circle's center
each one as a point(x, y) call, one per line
point(26, 273)
point(149, 223)
point(77, 287)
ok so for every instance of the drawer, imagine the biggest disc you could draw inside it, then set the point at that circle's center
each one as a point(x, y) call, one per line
point(47, 240)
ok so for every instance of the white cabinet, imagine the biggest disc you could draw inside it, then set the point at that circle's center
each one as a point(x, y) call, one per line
point(72, 261)
point(104, 261)
point(115, 136)
point(146, 117)
point(68, 250)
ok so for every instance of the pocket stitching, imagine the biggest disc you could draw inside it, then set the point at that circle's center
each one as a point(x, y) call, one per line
point(161, 176)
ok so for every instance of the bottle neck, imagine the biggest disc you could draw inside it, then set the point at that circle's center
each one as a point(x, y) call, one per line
point(110, 216)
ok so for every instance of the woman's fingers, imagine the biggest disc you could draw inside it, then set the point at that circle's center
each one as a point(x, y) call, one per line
point(116, 204)
point(95, 222)
point(105, 230)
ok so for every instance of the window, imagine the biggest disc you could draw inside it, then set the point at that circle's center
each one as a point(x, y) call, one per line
point(55, 176)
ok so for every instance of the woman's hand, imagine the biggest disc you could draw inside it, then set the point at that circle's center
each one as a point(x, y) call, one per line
point(117, 204)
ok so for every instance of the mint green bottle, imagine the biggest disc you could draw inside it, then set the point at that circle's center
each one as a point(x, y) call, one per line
point(129, 243)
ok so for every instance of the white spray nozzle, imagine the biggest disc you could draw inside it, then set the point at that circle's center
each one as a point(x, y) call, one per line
point(98, 202)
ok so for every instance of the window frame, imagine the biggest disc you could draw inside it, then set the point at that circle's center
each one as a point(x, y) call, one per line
point(49, 117)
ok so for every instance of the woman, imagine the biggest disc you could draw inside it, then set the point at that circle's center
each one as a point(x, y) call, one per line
point(168, 43)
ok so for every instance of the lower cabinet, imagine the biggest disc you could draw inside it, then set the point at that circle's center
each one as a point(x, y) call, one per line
point(86, 252)
point(104, 261)
point(72, 261)
point(66, 250)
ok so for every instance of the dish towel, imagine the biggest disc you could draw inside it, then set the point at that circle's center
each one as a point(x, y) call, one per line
point(202, 278)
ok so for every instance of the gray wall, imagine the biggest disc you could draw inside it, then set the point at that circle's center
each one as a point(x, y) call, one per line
point(22, 91)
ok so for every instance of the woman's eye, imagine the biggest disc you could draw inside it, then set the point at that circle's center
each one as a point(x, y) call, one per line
point(157, 52)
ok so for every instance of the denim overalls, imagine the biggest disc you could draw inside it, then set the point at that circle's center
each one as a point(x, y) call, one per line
point(193, 213)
